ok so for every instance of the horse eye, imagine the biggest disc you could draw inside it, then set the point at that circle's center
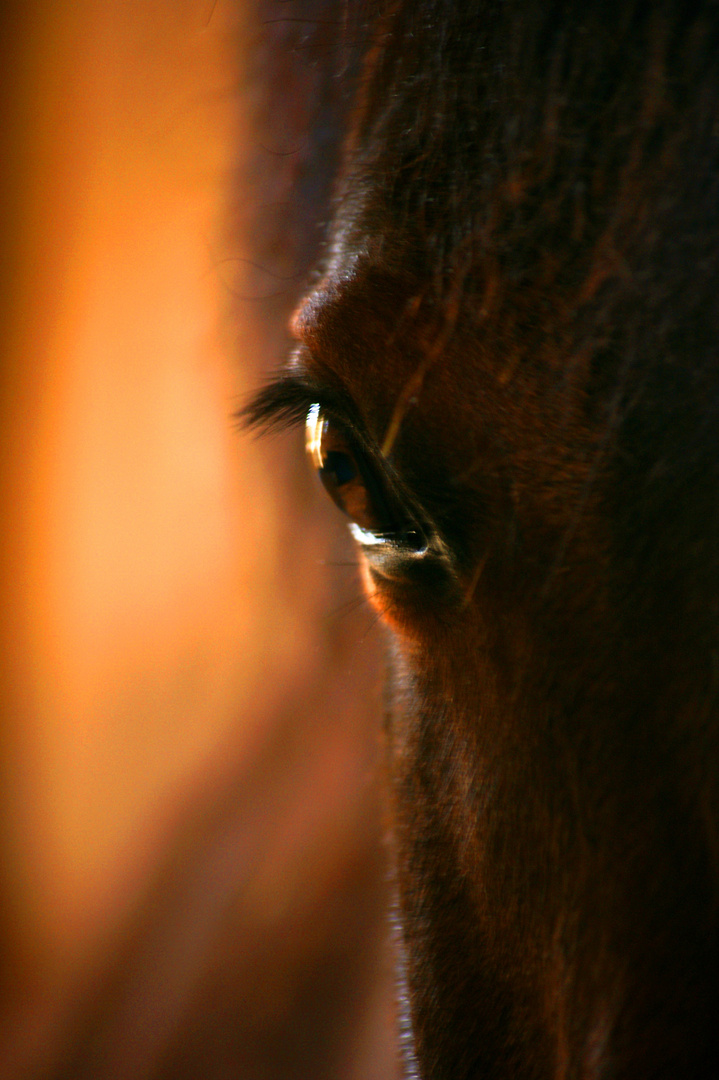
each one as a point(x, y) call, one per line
point(339, 469)
point(350, 483)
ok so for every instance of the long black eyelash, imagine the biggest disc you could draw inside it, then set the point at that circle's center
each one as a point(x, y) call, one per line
point(284, 403)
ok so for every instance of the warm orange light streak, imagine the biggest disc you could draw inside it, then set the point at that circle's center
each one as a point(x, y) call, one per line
point(184, 748)
point(140, 516)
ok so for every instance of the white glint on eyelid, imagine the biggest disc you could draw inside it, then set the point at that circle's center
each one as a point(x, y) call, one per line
point(313, 435)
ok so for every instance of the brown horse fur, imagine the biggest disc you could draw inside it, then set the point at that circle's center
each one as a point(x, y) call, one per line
point(515, 336)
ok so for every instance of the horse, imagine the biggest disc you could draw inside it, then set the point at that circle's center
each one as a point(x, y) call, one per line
point(508, 366)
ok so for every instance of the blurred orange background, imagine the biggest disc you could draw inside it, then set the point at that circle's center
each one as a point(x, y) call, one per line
point(192, 875)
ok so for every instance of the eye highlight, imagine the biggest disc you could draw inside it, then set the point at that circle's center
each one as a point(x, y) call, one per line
point(350, 482)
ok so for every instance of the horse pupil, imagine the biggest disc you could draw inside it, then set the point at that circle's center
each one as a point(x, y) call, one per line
point(341, 467)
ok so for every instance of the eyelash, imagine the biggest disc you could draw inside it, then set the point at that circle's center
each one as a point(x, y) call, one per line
point(283, 404)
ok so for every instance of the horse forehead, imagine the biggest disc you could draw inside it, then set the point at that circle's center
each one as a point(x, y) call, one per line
point(363, 314)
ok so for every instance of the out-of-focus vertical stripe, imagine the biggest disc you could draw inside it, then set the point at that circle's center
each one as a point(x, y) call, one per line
point(187, 818)
point(137, 526)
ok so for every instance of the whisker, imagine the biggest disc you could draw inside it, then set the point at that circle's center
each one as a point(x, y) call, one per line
point(370, 628)
point(331, 562)
point(474, 581)
point(346, 608)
